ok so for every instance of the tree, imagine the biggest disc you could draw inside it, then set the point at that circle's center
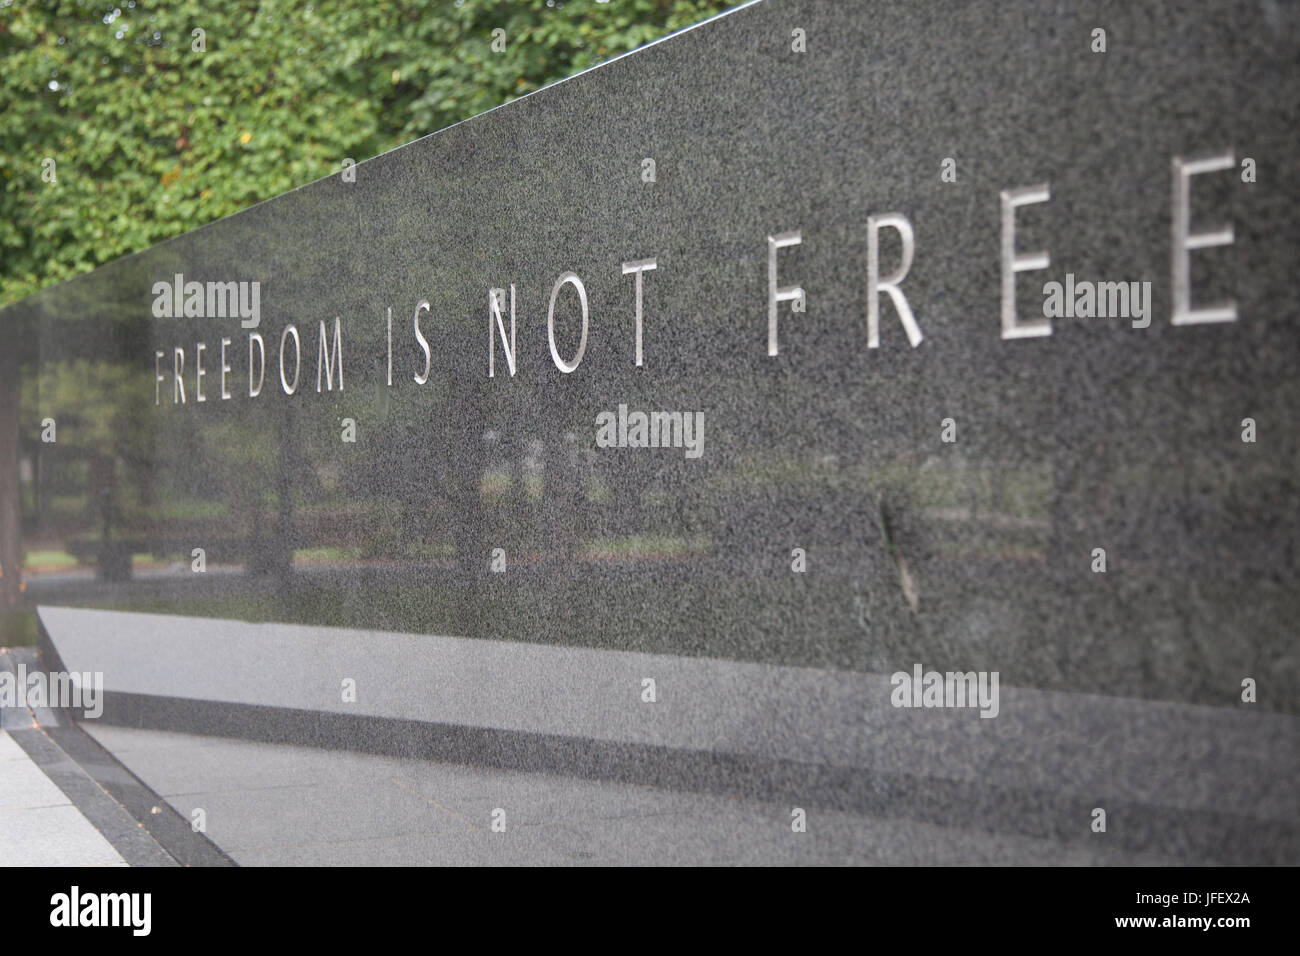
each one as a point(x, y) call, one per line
point(121, 126)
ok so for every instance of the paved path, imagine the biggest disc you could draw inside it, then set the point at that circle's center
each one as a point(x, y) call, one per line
point(39, 826)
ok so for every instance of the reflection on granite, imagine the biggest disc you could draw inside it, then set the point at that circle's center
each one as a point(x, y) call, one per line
point(975, 554)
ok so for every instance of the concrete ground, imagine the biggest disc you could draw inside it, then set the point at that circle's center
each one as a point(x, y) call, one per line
point(39, 825)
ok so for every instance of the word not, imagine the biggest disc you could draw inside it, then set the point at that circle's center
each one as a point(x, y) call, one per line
point(103, 909)
point(59, 690)
point(651, 430)
point(214, 300)
point(953, 689)
point(496, 321)
point(1101, 300)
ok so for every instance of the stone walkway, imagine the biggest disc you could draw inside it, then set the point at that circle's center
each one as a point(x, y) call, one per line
point(39, 826)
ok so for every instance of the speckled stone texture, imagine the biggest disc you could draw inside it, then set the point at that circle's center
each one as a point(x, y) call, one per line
point(1185, 782)
point(972, 555)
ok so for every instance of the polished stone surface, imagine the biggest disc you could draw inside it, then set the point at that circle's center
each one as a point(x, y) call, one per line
point(1194, 783)
point(1136, 751)
point(292, 806)
point(1099, 436)
point(976, 554)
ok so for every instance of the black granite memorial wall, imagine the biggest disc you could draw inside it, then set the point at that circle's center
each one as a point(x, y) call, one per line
point(423, 399)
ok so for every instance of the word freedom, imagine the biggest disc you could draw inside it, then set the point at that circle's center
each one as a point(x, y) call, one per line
point(192, 299)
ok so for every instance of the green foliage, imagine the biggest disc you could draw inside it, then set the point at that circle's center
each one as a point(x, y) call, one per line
point(151, 138)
